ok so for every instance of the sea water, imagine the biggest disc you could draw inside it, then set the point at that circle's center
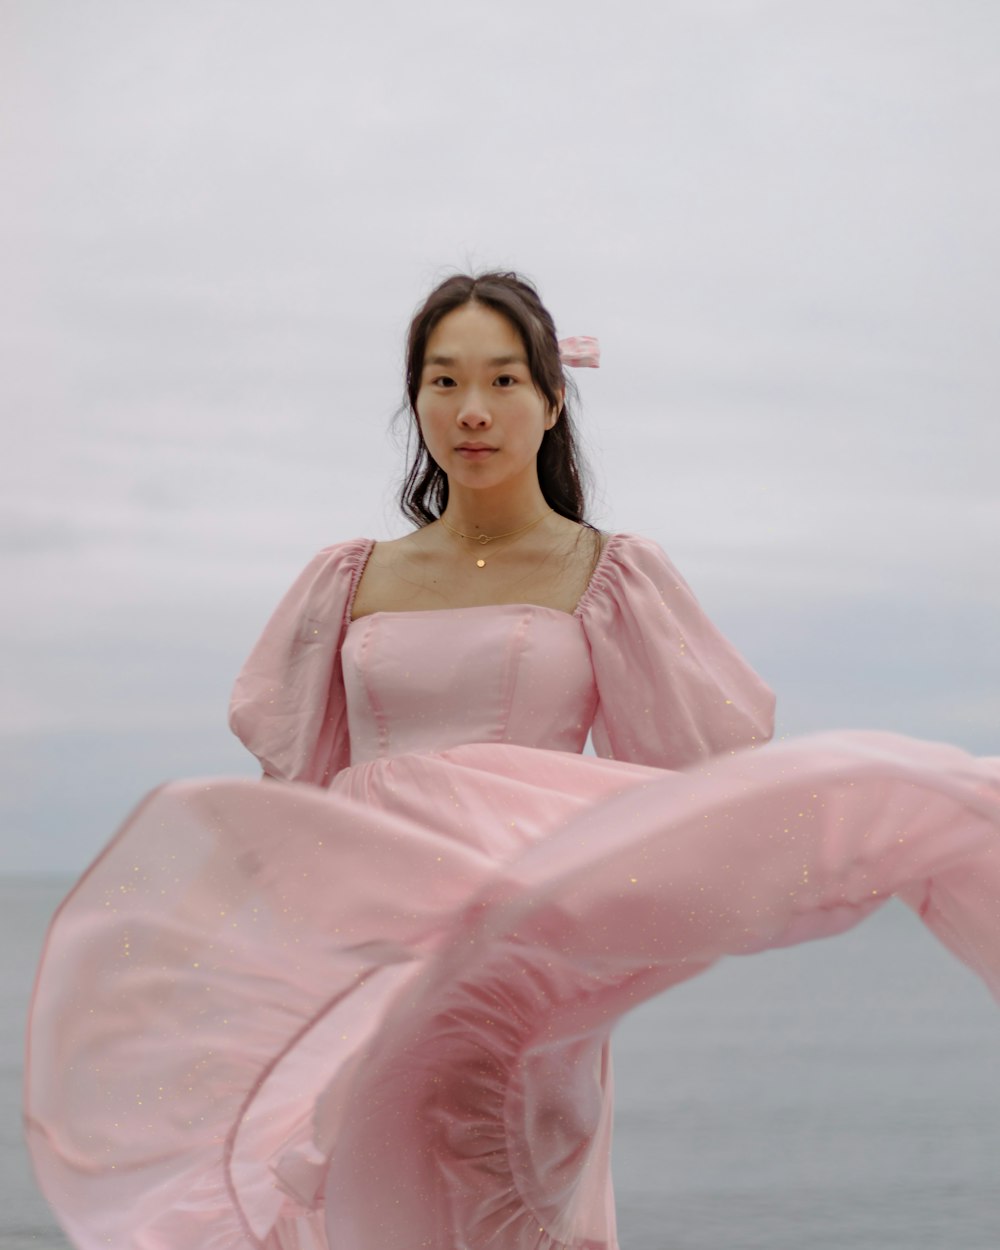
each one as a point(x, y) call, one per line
point(841, 1094)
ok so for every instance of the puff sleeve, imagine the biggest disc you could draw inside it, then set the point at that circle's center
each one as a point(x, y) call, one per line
point(671, 689)
point(288, 705)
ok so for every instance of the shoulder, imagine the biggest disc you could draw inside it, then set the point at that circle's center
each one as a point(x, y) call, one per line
point(324, 587)
point(631, 570)
point(623, 553)
point(627, 546)
point(339, 560)
point(348, 551)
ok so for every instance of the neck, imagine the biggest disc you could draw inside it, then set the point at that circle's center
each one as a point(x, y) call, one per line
point(476, 512)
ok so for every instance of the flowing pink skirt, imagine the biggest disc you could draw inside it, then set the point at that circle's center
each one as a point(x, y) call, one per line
point(376, 1017)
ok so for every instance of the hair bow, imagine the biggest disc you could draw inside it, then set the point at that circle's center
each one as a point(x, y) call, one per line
point(582, 352)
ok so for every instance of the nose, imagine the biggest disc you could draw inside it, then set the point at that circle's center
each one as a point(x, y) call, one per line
point(473, 411)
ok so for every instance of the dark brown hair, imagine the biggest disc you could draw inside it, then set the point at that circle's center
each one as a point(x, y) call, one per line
point(561, 472)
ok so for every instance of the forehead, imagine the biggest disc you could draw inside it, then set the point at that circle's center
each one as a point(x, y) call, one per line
point(474, 331)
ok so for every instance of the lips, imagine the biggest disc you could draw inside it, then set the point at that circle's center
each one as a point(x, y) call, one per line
point(475, 447)
point(475, 451)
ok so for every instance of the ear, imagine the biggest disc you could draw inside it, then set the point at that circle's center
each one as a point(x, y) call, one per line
point(553, 415)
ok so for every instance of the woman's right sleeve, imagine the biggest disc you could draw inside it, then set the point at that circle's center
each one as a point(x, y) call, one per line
point(288, 705)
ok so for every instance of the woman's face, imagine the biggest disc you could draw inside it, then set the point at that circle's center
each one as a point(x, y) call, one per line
point(479, 411)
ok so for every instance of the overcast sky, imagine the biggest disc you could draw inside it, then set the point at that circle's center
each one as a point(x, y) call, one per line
point(218, 215)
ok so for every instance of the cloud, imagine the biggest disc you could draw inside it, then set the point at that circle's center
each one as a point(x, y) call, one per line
point(779, 219)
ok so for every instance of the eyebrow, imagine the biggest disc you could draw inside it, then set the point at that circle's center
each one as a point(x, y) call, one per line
point(449, 361)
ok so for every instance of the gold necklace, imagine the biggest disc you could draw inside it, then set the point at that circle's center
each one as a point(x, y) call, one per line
point(483, 539)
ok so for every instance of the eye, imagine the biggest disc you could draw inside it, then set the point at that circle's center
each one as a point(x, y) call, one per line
point(505, 381)
point(443, 382)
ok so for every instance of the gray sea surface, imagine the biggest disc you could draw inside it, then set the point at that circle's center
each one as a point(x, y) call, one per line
point(844, 1093)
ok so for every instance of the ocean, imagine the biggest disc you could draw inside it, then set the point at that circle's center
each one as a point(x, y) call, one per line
point(839, 1094)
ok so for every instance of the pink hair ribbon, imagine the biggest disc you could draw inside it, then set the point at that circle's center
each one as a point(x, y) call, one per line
point(582, 352)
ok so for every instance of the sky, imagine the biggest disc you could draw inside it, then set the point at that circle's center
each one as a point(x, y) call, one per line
point(779, 218)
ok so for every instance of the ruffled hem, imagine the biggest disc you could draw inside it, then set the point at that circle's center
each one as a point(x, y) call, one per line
point(391, 1033)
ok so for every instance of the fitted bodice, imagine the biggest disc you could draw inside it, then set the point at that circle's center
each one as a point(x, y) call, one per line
point(426, 681)
point(637, 663)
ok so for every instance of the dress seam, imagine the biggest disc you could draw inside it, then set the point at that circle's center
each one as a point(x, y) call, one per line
point(378, 712)
point(599, 578)
point(515, 654)
point(360, 564)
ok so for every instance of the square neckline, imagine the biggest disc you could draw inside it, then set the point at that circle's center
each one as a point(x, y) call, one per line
point(588, 591)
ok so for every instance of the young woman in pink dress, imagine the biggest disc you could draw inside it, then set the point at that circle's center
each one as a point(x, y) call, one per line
point(371, 1012)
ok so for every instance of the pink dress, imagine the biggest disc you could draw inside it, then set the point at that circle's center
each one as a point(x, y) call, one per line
point(372, 1012)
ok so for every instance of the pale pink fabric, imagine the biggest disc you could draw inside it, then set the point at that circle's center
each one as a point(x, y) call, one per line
point(580, 352)
point(372, 1012)
point(669, 689)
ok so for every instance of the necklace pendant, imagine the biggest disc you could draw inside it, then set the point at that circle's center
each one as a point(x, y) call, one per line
point(480, 564)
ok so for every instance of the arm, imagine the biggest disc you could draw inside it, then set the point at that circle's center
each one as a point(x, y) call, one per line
point(288, 704)
point(671, 689)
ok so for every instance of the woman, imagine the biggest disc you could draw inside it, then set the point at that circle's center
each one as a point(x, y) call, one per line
point(372, 1011)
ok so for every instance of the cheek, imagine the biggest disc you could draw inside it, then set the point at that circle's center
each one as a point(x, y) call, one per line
point(429, 405)
point(423, 413)
point(431, 423)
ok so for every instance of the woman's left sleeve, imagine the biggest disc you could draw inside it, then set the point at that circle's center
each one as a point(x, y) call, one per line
point(671, 689)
